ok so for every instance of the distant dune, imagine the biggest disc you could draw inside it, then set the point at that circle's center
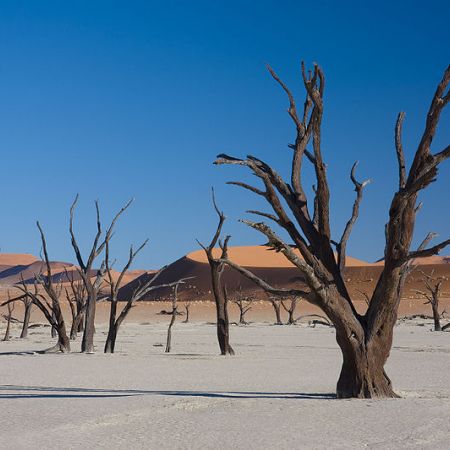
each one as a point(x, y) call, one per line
point(360, 276)
point(17, 267)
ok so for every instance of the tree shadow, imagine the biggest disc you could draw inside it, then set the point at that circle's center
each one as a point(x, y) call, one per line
point(16, 391)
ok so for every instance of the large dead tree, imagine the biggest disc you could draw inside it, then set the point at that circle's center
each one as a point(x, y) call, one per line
point(92, 284)
point(365, 340)
point(217, 266)
point(433, 286)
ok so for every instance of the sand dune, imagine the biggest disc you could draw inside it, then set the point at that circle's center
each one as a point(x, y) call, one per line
point(261, 256)
point(361, 277)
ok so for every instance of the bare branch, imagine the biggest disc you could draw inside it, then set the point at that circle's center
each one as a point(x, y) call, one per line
point(399, 150)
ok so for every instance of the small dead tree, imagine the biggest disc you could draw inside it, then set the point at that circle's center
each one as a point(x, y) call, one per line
point(172, 318)
point(8, 318)
point(76, 297)
point(244, 303)
point(290, 309)
point(217, 267)
point(115, 319)
point(276, 304)
point(365, 340)
point(433, 286)
point(187, 307)
point(92, 284)
point(49, 303)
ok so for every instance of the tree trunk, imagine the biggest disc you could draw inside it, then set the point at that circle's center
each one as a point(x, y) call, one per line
point(54, 330)
point(26, 320)
point(7, 336)
point(436, 317)
point(187, 307)
point(169, 330)
point(276, 307)
point(221, 300)
point(87, 343)
point(63, 340)
point(110, 343)
point(80, 327)
point(112, 330)
point(362, 373)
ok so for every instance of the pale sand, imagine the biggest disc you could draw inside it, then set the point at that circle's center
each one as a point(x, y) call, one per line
point(275, 393)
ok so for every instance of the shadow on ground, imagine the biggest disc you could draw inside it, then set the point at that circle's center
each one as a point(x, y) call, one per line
point(17, 392)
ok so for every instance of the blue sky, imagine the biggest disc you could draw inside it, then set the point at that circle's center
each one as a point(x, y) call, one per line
point(119, 99)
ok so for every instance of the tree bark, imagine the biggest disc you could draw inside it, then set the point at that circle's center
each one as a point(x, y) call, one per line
point(26, 320)
point(277, 309)
point(362, 372)
point(87, 343)
point(436, 316)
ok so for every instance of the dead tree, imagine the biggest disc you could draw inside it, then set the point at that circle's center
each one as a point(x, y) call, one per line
point(244, 303)
point(365, 341)
point(92, 284)
point(217, 267)
point(433, 286)
point(49, 303)
point(76, 297)
point(115, 319)
point(276, 304)
point(290, 309)
point(172, 318)
point(8, 318)
point(187, 307)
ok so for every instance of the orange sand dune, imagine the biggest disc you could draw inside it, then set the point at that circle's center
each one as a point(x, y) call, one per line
point(260, 256)
point(16, 259)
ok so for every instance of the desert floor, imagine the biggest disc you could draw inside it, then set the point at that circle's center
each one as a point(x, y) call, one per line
point(277, 392)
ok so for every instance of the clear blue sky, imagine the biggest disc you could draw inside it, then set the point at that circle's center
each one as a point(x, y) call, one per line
point(120, 99)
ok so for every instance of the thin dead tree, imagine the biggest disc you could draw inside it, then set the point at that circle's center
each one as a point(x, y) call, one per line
point(76, 297)
point(172, 318)
point(92, 284)
point(8, 317)
point(49, 303)
point(244, 303)
point(290, 309)
point(275, 301)
point(115, 318)
point(433, 287)
point(365, 340)
point(217, 267)
point(187, 308)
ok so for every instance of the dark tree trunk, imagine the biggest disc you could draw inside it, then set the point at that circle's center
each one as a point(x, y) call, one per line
point(7, 336)
point(277, 309)
point(221, 300)
point(169, 330)
point(54, 331)
point(110, 343)
point(87, 343)
point(436, 316)
point(362, 373)
point(112, 330)
point(26, 320)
